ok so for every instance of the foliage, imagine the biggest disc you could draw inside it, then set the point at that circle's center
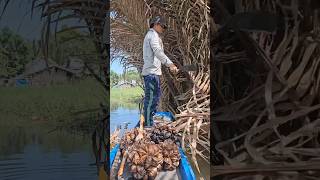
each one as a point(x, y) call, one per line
point(266, 89)
point(131, 75)
point(114, 78)
point(92, 15)
point(71, 43)
point(127, 76)
point(55, 104)
point(126, 95)
point(15, 52)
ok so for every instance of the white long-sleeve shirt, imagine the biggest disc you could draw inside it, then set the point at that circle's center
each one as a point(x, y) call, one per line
point(153, 54)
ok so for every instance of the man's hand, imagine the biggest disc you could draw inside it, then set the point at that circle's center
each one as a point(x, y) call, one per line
point(173, 68)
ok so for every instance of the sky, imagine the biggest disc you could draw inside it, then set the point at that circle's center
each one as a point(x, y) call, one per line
point(18, 18)
point(116, 67)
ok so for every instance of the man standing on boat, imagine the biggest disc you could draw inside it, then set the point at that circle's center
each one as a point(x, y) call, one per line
point(154, 57)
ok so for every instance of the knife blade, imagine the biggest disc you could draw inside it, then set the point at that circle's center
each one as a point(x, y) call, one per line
point(188, 68)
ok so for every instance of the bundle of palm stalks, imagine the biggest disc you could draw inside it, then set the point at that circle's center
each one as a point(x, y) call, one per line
point(185, 42)
point(145, 159)
point(267, 79)
point(159, 134)
point(171, 155)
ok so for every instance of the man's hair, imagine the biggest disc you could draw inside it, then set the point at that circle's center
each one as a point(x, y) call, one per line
point(152, 25)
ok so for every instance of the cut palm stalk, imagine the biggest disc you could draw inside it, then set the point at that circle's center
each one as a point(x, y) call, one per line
point(140, 135)
point(123, 162)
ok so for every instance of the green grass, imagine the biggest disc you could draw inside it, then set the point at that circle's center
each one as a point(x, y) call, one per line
point(28, 114)
point(126, 97)
point(48, 104)
point(56, 105)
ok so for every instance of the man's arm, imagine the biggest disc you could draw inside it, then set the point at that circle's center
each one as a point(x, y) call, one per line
point(158, 52)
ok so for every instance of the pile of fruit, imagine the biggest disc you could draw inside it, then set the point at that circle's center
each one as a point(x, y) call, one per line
point(129, 138)
point(145, 160)
point(159, 134)
point(156, 151)
point(171, 155)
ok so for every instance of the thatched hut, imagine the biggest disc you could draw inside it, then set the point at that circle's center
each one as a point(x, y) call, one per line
point(38, 72)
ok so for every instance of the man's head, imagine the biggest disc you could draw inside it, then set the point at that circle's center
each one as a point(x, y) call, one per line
point(158, 23)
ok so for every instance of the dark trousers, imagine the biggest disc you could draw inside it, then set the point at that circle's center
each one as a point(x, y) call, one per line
point(151, 98)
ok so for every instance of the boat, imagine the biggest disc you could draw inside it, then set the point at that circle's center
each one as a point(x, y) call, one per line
point(183, 172)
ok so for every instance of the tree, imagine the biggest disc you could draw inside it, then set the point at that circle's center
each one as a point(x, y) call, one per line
point(92, 15)
point(132, 75)
point(69, 43)
point(15, 53)
point(114, 78)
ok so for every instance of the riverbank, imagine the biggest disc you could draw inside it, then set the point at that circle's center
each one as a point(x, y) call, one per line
point(50, 105)
point(125, 97)
point(30, 121)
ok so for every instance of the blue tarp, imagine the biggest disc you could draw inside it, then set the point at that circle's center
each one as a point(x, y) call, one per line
point(165, 114)
point(21, 82)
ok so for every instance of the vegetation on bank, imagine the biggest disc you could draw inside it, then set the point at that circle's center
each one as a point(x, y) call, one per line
point(126, 97)
point(130, 75)
point(16, 51)
point(54, 104)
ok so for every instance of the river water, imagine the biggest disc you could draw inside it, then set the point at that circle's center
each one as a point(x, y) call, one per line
point(122, 116)
point(30, 154)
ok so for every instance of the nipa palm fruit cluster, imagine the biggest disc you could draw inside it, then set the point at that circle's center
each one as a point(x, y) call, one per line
point(171, 155)
point(145, 159)
point(129, 138)
point(158, 150)
point(161, 133)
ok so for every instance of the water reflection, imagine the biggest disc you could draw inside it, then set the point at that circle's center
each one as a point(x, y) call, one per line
point(12, 140)
point(122, 115)
point(130, 106)
point(33, 153)
point(47, 130)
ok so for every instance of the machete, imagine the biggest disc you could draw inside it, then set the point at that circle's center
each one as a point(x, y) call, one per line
point(187, 68)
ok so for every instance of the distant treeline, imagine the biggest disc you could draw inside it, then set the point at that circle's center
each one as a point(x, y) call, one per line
point(129, 76)
point(16, 51)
